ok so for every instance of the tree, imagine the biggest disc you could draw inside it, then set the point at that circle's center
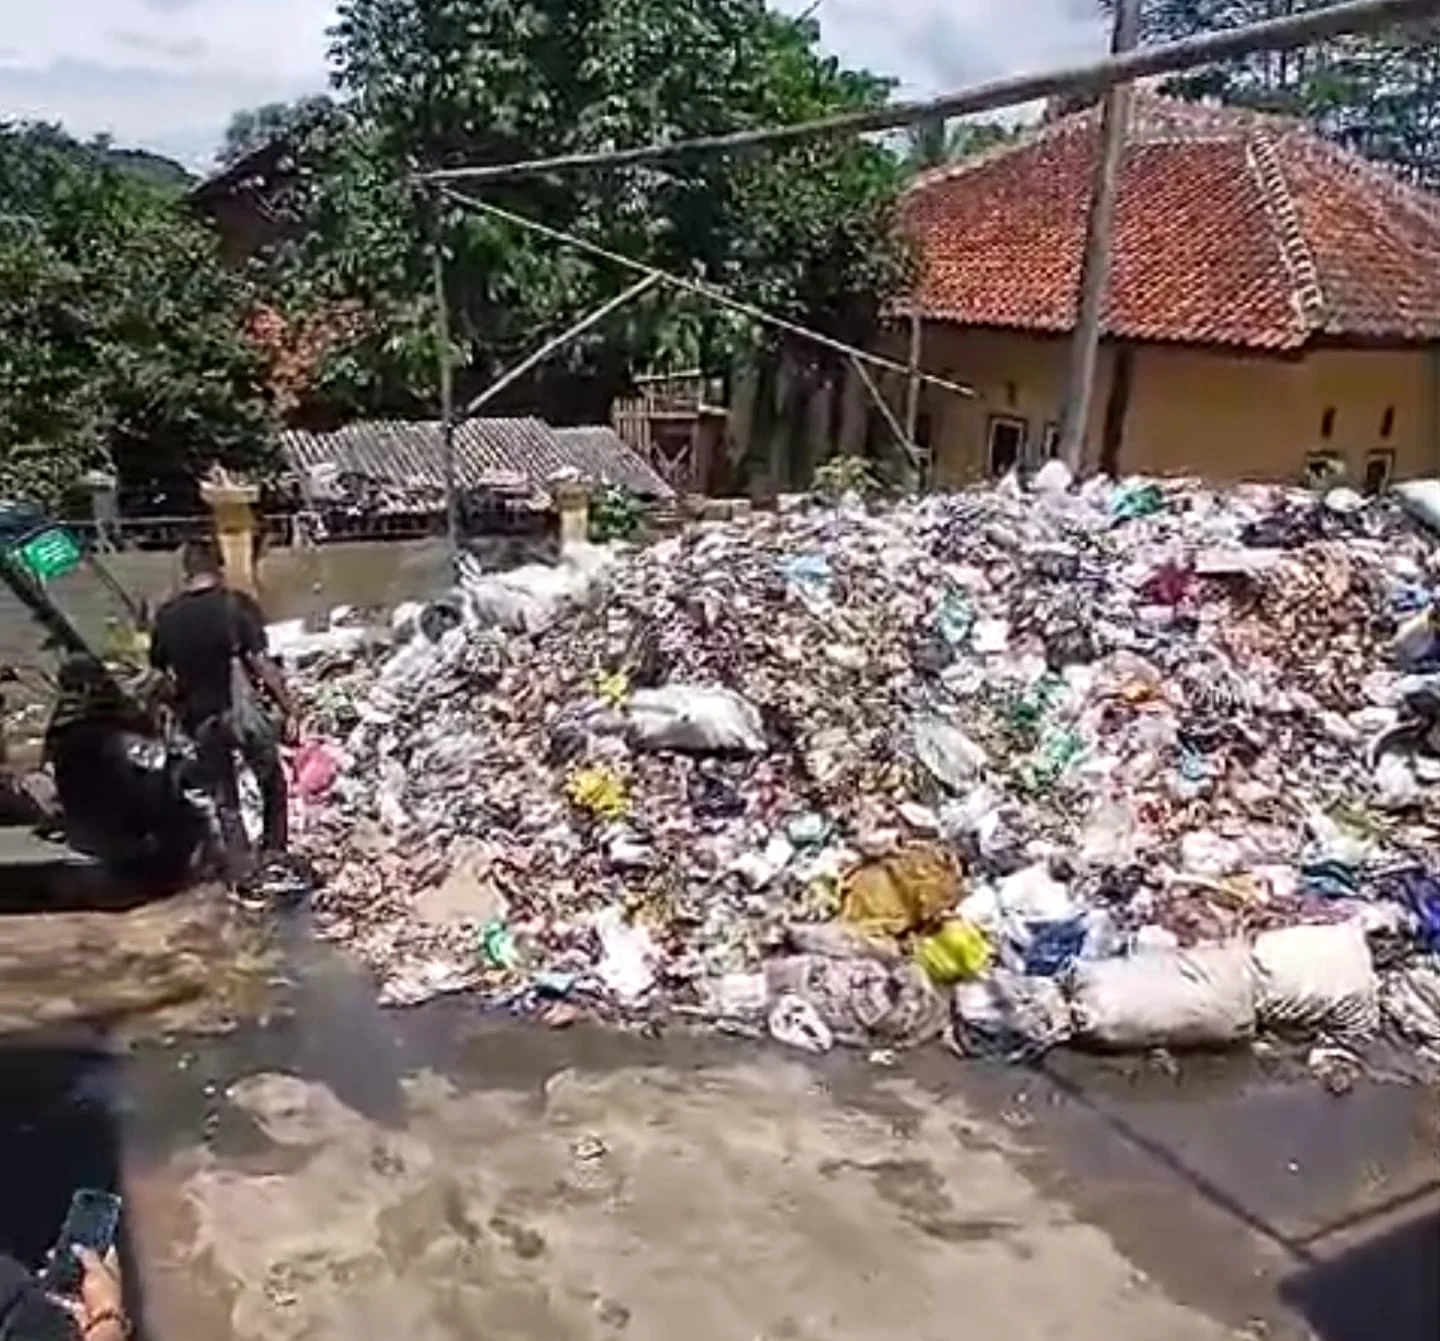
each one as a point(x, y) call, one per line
point(255, 127)
point(120, 334)
point(934, 143)
point(1378, 94)
point(806, 233)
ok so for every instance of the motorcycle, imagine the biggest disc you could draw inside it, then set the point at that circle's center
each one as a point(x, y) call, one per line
point(120, 771)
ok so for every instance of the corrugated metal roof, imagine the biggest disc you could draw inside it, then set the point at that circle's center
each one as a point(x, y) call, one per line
point(408, 453)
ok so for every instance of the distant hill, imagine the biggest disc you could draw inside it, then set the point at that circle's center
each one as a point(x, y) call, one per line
point(156, 169)
point(165, 174)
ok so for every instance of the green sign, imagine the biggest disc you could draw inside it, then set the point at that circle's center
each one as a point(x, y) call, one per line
point(49, 553)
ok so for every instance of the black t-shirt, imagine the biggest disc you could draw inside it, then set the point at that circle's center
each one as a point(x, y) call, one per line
point(197, 636)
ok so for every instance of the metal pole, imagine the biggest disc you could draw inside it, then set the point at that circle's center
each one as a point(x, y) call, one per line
point(513, 375)
point(447, 406)
point(1282, 34)
point(702, 290)
point(1099, 234)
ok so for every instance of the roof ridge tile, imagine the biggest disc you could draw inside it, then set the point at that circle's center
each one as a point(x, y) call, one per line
point(1306, 293)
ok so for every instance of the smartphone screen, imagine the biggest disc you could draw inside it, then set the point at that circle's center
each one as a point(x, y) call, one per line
point(92, 1221)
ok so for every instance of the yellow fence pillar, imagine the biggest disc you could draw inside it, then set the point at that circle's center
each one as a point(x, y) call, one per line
point(572, 502)
point(232, 504)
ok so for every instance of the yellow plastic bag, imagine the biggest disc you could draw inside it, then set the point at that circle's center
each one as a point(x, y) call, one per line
point(599, 791)
point(893, 895)
point(613, 689)
point(958, 952)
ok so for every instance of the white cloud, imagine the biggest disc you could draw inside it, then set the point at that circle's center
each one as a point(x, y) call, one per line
point(168, 73)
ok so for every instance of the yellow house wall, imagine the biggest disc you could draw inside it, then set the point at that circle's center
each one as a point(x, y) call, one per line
point(1225, 416)
point(1232, 417)
point(1016, 375)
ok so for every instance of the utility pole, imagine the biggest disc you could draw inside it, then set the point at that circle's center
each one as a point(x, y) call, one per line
point(1099, 235)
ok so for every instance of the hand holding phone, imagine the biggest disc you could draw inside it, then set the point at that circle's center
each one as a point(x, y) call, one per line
point(92, 1222)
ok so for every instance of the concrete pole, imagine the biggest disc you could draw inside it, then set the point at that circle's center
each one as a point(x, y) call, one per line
point(232, 505)
point(1099, 235)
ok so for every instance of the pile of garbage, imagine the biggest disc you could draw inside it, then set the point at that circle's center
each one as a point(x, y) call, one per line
point(1139, 764)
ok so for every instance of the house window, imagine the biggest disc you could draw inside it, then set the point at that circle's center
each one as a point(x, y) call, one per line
point(1387, 422)
point(1050, 444)
point(1327, 422)
point(1005, 439)
point(1379, 467)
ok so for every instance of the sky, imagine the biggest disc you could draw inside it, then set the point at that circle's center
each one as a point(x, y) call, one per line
point(167, 74)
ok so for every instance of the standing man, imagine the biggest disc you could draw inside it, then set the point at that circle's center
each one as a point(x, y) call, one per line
point(210, 640)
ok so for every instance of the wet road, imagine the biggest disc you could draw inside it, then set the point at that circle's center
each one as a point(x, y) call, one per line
point(298, 1163)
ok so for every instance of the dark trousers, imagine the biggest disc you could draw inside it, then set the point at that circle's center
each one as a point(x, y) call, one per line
point(217, 742)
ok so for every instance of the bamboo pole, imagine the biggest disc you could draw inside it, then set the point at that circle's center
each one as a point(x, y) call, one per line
point(512, 375)
point(1281, 34)
point(703, 290)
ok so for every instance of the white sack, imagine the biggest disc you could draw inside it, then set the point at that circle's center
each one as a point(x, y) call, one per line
point(1421, 499)
point(530, 598)
point(1190, 998)
point(696, 719)
point(1317, 978)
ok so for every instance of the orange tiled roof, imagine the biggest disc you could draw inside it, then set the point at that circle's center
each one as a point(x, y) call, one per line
point(1232, 228)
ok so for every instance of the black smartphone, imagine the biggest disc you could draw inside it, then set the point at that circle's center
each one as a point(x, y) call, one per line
point(92, 1222)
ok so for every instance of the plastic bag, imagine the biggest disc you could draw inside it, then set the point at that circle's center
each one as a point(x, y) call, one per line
point(1189, 999)
point(598, 791)
point(1411, 999)
point(947, 753)
point(957, 952)
point(316, 767)
point(627, 956)
point(1421, 499)
point(1317, 978)
point(862, 1002)
point(1054, 477)
point(796, 1023)
point(900, 893)
point(696, 719)
point(530, 598)
point(1009, 1015)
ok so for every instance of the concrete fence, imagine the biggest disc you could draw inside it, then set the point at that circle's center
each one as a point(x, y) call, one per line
point(304, 583)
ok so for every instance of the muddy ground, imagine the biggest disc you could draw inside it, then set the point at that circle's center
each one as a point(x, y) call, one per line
point(297, 1163)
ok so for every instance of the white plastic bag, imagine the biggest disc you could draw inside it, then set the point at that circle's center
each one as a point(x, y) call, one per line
point(695, 719)
point(795, 1022)
point(1317, 978)
point(1187, 999)
point(627, 956)
point(1421, 499)
point(947, 753)
point(530, 598)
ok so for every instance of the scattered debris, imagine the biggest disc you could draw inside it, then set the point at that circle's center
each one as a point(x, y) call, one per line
point(1059, 756)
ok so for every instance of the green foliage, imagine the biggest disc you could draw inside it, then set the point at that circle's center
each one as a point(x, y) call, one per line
point(615, 514)
point(1377, 94)
point(934, 143)
point(427, 83)
point(843, 475)
point(120, 334)
point(254, 128)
